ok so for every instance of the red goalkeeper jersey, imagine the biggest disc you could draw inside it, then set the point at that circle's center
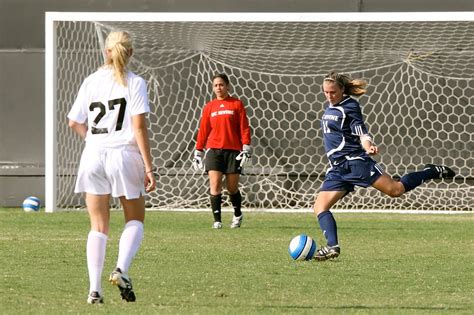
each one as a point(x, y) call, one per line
point(224, 125)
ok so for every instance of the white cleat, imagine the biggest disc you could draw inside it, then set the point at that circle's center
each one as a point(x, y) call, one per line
point(217, 225)
point(95, 298)
point(236, 221)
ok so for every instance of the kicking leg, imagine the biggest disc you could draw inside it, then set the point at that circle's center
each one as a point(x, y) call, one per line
point(393, 188)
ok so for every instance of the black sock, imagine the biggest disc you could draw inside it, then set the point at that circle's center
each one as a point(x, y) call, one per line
point(236, 200)
point(216, 201)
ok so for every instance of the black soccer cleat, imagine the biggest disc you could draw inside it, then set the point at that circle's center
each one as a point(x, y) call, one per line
point(327, 252)
point(124, 283)
point(95, 298)
point(443, 171)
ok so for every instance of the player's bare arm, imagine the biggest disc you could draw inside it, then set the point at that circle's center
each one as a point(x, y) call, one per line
point(80, 129)
point(141, 135)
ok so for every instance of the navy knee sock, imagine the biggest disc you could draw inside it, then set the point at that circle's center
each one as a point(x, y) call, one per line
point(329, 227)
point(216, 201)
point(415, 179)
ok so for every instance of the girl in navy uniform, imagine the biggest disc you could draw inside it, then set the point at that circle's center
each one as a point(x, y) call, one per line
point(349, 148)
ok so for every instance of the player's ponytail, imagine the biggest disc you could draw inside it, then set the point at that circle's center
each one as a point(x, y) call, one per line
point(119, 50)
point(351, 86)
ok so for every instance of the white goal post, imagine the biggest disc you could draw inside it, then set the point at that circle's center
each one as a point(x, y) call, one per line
point(419, 105)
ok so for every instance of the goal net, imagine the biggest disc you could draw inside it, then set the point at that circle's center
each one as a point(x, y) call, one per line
point(419, 104)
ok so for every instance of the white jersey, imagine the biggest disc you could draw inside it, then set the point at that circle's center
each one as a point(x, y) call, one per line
point(108, 108)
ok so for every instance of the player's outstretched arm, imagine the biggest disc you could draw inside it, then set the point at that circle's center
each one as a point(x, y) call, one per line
point(369, 145)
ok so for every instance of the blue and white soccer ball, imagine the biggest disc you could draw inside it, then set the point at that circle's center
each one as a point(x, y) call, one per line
point(31, 204)
point(302, 247)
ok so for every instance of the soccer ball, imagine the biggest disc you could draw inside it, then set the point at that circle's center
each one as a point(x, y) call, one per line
point(302, 247)
point(31, 204)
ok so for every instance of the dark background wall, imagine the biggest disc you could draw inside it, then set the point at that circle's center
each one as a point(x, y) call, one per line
point(22, 66)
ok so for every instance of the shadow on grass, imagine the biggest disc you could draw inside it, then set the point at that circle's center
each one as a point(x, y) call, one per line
point(369, 308)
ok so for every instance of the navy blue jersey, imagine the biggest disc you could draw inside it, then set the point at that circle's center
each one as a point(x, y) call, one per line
point(343, 125)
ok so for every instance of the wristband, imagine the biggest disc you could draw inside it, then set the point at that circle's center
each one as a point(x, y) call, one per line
point(151, 171)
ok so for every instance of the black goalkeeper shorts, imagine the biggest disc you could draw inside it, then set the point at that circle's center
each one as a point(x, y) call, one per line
point(223, 161)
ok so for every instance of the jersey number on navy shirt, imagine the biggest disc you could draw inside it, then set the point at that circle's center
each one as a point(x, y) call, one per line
point(102, 111)
point(326, 127)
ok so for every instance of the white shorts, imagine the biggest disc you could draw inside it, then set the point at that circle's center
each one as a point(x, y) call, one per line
point(117, 171)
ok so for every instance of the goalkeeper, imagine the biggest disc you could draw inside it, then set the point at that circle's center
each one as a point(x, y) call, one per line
point(348, 147)
point(225, 132)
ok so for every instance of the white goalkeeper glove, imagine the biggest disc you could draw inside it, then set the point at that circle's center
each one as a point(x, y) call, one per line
point(244, 156)
point(197, 160)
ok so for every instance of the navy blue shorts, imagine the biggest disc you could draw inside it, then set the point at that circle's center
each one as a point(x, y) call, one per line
point(223, 161)
point(344, 176)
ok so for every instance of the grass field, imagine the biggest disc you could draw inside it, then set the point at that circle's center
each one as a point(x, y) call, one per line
point(390, 263)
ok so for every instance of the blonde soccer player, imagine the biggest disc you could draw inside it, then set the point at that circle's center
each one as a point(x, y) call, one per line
point(349, 147)
point(109, 113)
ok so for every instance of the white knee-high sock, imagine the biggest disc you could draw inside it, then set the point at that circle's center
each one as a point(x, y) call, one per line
point(130, 242)
point(96, 245)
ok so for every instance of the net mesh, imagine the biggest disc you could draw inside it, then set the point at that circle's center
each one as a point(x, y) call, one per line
point(419, 104)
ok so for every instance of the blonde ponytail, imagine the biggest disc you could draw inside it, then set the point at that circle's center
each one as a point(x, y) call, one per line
point(119, 50)
point(351, 86)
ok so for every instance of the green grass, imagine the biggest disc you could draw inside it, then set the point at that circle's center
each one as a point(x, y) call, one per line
point(390, 263)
